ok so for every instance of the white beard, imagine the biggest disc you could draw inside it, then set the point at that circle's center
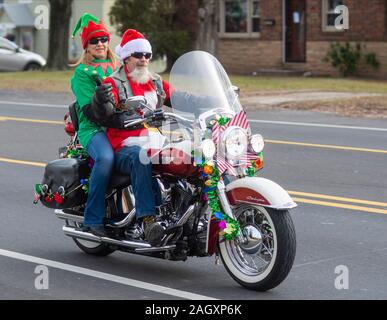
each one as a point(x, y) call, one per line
point(140, 75)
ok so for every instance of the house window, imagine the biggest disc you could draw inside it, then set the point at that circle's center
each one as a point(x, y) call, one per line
point(239, 18)
point(329, 15)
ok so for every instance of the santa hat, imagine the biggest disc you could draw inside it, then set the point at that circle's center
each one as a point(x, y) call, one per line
point(132, 41)
point(91, 27)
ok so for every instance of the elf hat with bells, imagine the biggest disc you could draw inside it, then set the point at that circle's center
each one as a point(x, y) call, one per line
point(91, 27)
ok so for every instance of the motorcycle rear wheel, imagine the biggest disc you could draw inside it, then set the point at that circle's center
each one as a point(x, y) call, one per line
point(92, 248)
point(265, 259)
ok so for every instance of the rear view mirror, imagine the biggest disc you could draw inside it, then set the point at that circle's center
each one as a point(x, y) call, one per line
point(134, 102)
point(236, 89)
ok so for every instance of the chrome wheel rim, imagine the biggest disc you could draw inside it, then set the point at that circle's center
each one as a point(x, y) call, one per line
point(254, 252)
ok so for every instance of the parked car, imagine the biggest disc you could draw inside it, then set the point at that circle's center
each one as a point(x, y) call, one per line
point(14, 58)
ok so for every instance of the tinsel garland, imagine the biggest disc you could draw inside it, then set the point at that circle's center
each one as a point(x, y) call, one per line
point(229, 227)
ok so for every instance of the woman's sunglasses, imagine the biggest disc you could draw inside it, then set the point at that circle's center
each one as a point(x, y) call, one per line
point(95, 41)
point(139, 55)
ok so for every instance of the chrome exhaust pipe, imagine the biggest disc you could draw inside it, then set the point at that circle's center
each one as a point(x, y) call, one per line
point(68, 216)
point(155, 249)
point(72, 232)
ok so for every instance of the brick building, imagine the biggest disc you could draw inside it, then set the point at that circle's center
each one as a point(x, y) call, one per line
point(296, 34)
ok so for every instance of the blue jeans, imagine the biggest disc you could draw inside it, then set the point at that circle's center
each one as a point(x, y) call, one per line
point(145, 188)
point(101, 152)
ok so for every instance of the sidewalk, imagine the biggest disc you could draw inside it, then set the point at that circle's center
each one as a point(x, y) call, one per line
point(270, 98)
point(368, 105)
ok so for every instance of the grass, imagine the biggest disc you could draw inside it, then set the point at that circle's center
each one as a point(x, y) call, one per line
point(60, 82)
point(49, 81)
point(250, 83)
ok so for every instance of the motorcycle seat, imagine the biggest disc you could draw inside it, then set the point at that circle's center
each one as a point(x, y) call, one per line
point(119, 181)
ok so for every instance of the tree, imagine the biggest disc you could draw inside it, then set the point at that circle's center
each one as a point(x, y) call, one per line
point(161, 21)
point(208, 14)
point(60, 14)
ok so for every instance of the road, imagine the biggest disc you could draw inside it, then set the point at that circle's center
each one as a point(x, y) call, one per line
point(334, 167)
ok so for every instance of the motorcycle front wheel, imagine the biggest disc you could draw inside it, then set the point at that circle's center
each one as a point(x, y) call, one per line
point(265, 256)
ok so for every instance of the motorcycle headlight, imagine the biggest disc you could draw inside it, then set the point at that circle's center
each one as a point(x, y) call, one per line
point(235, 141)
point(257, 143)
point(208, 148)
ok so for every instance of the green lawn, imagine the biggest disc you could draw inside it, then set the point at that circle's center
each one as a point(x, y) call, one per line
point(60, 82)
point(249, 83)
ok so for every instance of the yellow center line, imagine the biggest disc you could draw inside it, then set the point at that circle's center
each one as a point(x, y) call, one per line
point(340, 205)
point(323, 196)
point(29, 163)
point(30, 120)
point(326, 146)
point(300, 200)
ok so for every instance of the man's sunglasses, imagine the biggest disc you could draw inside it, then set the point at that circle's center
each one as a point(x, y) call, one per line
point(139, 55)
point(95, 41)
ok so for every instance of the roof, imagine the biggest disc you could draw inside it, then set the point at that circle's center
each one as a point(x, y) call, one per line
point(19, 14)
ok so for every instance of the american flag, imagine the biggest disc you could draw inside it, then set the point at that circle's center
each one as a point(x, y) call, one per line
point(239, 120)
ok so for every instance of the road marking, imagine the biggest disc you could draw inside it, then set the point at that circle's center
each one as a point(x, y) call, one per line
point(295, 193)
point(327, 146)
point(321, 125)
point(340, 205)
point(29, 163)
point(291, 123)
point(61, 106)
point(323, 196)
point(105, 276)
point(30, 120)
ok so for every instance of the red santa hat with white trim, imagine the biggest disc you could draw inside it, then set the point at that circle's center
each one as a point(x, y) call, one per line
point(132, 41)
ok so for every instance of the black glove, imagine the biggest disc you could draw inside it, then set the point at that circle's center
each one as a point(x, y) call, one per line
point(104, 94)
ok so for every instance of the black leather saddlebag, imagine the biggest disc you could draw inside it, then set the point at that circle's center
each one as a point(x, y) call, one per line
point(65, 182)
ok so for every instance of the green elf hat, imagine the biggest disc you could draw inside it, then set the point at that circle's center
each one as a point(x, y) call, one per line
point(91, 27)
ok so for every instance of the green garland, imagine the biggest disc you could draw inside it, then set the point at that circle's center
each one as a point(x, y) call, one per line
point(229, 227)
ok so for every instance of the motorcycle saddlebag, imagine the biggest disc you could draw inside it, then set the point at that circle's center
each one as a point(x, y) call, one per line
point(62, 180)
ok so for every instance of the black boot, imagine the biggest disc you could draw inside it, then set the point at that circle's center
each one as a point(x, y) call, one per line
point(154, 232)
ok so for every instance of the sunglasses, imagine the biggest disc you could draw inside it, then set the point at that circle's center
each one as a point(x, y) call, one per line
point(139, 55)
point(95, 41)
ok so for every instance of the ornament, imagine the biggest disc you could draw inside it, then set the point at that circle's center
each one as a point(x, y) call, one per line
point(222, 225)
point(58, 198)
point(218, 215)
point(208, 169)
point(49, 198)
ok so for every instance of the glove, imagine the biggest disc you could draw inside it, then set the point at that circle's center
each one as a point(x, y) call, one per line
point(104, 94)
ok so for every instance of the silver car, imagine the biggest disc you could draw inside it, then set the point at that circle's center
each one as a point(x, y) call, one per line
point(14, 58)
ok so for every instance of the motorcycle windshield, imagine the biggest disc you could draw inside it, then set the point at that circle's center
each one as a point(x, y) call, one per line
point(200, 84)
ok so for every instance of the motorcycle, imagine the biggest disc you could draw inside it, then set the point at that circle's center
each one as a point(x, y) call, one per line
point(206, 165)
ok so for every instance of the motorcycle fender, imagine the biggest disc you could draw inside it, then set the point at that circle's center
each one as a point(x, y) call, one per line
point(259, 191)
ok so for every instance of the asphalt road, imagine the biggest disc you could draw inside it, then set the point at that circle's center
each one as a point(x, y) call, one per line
point(334, 167)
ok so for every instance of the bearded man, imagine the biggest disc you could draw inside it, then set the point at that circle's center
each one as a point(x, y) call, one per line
point(132, 79)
